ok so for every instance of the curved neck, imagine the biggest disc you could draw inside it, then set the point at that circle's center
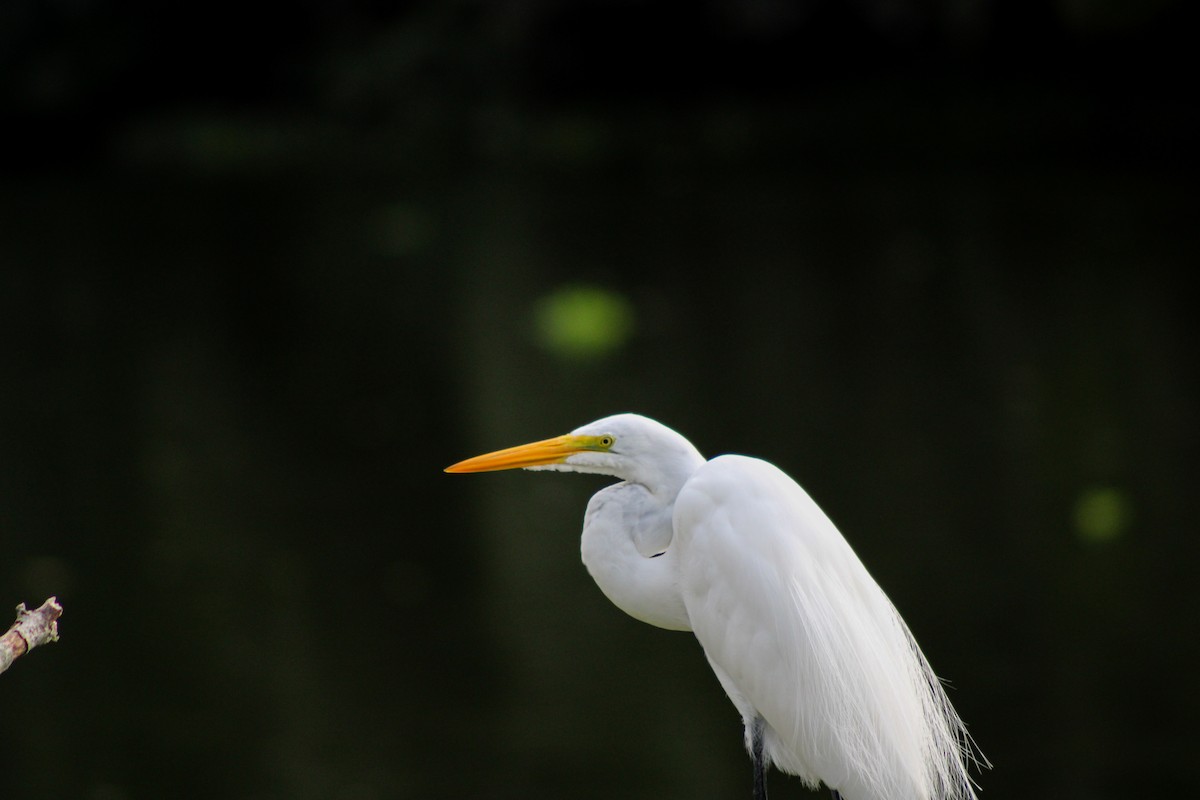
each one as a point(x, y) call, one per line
point(672, 469)
point(626, 548)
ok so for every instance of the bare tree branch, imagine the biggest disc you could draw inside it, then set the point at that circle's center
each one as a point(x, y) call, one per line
point(32, 628)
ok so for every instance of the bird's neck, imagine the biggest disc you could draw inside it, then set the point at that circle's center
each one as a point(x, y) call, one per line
point(669, 474)
point(626, 547)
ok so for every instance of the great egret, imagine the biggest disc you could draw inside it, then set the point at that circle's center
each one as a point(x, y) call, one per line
point(830, 683)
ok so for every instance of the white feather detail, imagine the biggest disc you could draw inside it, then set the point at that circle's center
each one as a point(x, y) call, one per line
point(789, 616)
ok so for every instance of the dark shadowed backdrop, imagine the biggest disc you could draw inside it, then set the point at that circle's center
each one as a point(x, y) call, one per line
point(265, 271)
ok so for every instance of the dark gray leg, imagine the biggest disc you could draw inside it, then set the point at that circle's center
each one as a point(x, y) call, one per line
point(756, 755)
point(836, 796)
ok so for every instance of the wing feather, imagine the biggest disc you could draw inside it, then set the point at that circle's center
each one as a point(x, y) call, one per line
point(800, 634)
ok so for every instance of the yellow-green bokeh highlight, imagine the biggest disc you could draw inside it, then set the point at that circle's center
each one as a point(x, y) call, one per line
point(1102, 514)
point(583, 322)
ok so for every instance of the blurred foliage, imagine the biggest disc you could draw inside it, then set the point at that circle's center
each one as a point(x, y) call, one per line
point(266, 271)
point(583, 322)
point(1102, 514)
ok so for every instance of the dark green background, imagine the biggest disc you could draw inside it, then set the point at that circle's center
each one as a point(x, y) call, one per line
point(265, 271)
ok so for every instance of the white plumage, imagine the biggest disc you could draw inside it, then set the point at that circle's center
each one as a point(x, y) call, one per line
point(796, 630)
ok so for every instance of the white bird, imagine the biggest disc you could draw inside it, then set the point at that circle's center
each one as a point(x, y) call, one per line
point(830, 683)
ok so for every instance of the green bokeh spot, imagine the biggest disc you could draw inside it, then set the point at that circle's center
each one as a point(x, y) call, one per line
point(583, 322)
point(1102, 514)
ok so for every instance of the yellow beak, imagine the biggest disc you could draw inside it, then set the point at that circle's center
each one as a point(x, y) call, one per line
point(535, 454)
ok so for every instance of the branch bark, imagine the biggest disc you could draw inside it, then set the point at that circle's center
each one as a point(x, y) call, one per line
point(32, 629)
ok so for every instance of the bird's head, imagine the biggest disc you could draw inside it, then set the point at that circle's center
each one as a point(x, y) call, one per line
point(627, 446)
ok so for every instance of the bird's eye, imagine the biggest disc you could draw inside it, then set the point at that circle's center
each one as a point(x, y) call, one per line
point(607, 441)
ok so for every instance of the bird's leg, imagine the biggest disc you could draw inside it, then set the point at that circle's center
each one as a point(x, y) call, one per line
point(836, 794)
point(757, 730)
